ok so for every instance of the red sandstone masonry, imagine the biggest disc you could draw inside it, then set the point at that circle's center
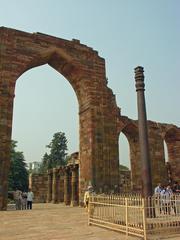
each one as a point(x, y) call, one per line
point(85, 70)
point(158, 133)
point(38, 184)
point(99, 117)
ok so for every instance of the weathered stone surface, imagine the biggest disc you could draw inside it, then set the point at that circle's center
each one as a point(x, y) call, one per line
point(39, 185)
point(157, 133)
point(99, 117)
point(85, 70)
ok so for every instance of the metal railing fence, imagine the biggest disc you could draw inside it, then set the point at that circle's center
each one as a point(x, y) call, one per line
point(132, 214)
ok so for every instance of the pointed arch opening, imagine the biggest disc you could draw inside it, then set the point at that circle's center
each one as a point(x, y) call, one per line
point(124, 151)
point(44, 104)
point(165, 152)
point(130, 130)
point(85, 71)
point(124, 163)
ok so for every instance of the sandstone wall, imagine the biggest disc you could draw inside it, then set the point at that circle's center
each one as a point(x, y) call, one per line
point(39, 185)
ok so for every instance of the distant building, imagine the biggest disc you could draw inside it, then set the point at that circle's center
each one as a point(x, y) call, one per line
point(34, 166)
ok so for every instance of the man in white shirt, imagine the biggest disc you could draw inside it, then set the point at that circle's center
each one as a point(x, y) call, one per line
point(30, 197)
point(158, 189)
point(166, 196)
point(158, 202)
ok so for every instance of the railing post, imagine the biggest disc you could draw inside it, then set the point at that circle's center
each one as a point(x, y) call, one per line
point(89, 212)
point(144, 218)
point(126, 204)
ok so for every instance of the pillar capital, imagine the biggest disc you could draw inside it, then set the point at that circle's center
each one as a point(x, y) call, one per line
point(74, 167)
point(139, 78)
point(139, 69)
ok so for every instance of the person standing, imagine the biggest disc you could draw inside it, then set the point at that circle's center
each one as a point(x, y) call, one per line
point(30, 196)
point(24, 200)
point(158, 203)
point(176, 188)
point(158, 189)
point(18, 199)
point(166, 195)
point(86, 197)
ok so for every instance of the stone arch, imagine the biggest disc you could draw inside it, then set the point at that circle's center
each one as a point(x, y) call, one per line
point(65, 66)
point(130, 129)
point(171, 135)
point(98, 112)
point(157, 133)
point(157, 154)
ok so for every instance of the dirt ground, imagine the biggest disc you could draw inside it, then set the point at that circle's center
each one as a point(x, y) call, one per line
point(54, 222)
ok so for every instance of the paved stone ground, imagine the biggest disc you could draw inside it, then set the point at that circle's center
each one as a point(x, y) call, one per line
point(54, 222)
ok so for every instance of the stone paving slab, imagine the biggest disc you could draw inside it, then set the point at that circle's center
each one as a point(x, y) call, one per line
point(53, 222)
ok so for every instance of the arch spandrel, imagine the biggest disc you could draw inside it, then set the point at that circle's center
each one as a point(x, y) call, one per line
point(79, 64)
point(85, 71)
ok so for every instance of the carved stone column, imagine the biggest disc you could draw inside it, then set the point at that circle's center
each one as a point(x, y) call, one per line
point(49, 191)
point(61, 185)
point(58, 182)
point(54, 186)
point(67, 186)
point(74, 185)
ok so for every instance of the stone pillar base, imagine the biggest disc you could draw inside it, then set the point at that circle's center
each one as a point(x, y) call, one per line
point(74, 203)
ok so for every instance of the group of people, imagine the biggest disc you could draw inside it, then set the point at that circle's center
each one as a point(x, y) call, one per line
point(168, 198)
point(23, 200)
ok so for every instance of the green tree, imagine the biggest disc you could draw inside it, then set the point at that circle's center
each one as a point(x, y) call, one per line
point(58, 152)
point(45, 164)
point(123, 168)
point(18, 174)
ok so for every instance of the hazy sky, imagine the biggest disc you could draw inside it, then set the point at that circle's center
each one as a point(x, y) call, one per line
point(127, 33)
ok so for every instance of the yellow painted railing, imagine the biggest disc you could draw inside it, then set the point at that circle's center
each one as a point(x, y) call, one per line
point(132, 214)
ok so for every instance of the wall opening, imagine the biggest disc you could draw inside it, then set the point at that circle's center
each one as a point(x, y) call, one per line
point(45, 103)
point(166, 152)
point(124, 152)
point(125, 164)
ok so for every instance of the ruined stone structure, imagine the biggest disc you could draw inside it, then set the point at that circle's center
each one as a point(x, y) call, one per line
point(99, 117)
point(39, 185)
point(63, 185)
point(85, 71)
point(50, 186)
point(125, 181)
point(158, 134)
point(59, 184)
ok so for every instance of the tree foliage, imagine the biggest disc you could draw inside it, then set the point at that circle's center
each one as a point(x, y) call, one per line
point(58, 152)
point(18, 174)
point(45, 164)
point(123, 168)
